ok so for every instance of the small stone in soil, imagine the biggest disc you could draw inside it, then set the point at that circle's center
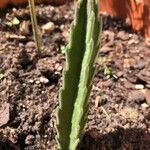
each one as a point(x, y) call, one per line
point(59, 68)
point(119, 74)
point(4, 114)
point(144, 105)
point(123, 36)
point(128, 84)
point(132, 41)
point(29, 139)
point(48, 27)
point(24, 28)
point(37, 82)
point(137, 96)
point(31, 81)
point(44, 80)
point(30, 44)
point(139, 86)
point(139, 65)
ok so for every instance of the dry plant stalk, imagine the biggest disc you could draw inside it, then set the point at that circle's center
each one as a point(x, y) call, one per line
point(34, 25)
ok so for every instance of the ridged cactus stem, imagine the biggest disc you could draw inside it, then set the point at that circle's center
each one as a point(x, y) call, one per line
point(79, 70)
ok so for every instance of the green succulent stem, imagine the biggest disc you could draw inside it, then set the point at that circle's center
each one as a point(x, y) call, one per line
point(78, 73)
point(34, 25)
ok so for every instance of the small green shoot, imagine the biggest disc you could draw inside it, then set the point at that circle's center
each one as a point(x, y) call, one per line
point(1, 76)
point(107, 72)
point(14, 22)
point(62, 49)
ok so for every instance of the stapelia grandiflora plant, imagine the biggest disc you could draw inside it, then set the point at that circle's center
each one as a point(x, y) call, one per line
point(34, 25)
point(78, 74)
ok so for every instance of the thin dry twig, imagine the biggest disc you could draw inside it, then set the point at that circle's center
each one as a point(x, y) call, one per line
point(34, 25)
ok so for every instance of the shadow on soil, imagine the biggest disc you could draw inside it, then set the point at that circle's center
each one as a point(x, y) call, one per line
point(130, 139)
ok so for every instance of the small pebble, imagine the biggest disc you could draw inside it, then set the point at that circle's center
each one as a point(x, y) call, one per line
point(24, 85)
point(59, 68)
point(144, 105)
point(44, 80)
point(21, 45)
point(57, 65)
point(24, 28)
point(29, 139)
point(137, 95)
point(139, 86)
point(132, 41)
point(48, 27)
point(14, 9)
point(123, 36)
point(119, 74)
point(37, 82)
point(31, 81)
point(30, 44)
point(126, 126)
point(116, 105)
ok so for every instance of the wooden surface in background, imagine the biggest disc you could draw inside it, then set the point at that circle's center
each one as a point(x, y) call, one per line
point(134, 12)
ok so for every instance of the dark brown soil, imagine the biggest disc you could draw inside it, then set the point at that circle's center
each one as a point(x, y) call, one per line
point(119, 114)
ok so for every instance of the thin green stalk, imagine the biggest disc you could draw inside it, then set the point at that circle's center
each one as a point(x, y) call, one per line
point(34, 25)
